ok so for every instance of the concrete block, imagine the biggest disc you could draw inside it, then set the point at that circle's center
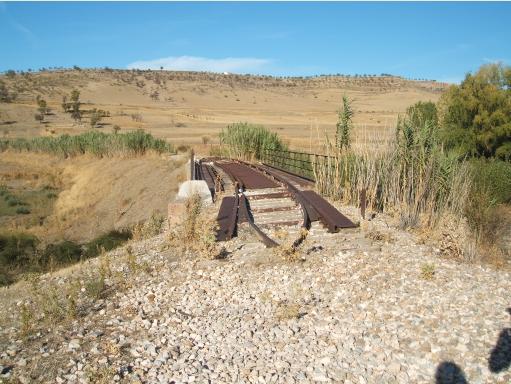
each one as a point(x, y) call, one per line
point(190, 187)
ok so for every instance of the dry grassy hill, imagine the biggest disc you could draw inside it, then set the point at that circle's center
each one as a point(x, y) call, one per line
point(184, 107)
point(81, 198)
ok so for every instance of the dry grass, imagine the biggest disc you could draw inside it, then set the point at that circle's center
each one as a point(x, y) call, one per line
point(289, 249)
point(47, 303)
point(287, 311)
point(197, 232)
point(150, 228)
point(427, 271)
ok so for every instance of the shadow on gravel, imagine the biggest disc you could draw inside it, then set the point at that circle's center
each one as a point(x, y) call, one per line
point(500, 356)
point(448, 372)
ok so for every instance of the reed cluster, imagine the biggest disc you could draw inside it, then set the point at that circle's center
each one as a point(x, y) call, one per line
point(248, 141)
point(99, 144)
point(414, 177)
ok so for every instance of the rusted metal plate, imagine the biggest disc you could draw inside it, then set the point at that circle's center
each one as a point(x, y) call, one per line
point(227, 217)
point(248, 177)
point(329, 215)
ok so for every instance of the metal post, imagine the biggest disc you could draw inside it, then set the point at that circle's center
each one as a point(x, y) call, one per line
point(192, 165)
point(363, 203)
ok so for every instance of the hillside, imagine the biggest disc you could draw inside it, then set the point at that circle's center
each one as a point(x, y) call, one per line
point(186, 106)
point(80, 198)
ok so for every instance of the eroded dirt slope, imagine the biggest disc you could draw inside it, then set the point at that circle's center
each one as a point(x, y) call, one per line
point(93, 195)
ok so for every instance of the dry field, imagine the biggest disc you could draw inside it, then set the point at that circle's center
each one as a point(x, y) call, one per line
point(192, 107)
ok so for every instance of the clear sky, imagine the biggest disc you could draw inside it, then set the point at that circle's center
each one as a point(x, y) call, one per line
point(441, 41)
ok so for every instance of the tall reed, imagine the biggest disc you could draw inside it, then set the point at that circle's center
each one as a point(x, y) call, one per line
point(99, 144)
point(248, 141)
point(413, 177)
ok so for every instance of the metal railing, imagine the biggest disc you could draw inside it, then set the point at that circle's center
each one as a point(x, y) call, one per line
point(299, 163)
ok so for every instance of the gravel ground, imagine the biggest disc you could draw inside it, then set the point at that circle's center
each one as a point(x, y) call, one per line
point(355, 308)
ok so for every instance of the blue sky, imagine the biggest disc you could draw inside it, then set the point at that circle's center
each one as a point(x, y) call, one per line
point(441, 41)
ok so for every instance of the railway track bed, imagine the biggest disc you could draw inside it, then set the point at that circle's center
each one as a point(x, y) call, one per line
point(276, 207)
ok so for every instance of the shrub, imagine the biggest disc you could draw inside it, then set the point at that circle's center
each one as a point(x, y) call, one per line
point(206, 140)
point(493, 176)
point(22, 211)
point(17, 249)
point(95, 287)
point(5, 97)
point(250, 141)
point(106, 242)
point(427, 271)
point(63, 253)
point(12, 201)
point(152, 227)
point(95, 117)
point(183, 148)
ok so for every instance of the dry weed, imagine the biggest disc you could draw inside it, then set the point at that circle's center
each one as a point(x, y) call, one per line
point(197, 232)
point(280, 233)
point(289, 251)
point(287, 311)
point(379, 236)
point(101, 375)
point(427, 271)
point(150, 228)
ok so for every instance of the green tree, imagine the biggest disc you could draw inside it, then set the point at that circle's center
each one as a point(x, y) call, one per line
point(95, 117)
point(4, 93)
point(42, 106)
point(421, 112)
point(75, 105)
point(65, 105)
point(344, 125)
point(39, 117)
point(476, 115)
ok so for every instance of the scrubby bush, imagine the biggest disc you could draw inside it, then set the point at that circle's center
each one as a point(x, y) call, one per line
point(344, 125)
point(22, 253)
point(150, 228)
point(17, 249)
point(22, 211)
point(5, 97)
point(493, 176)
point(197, 232)
point(106, 242)
point(63, 253)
